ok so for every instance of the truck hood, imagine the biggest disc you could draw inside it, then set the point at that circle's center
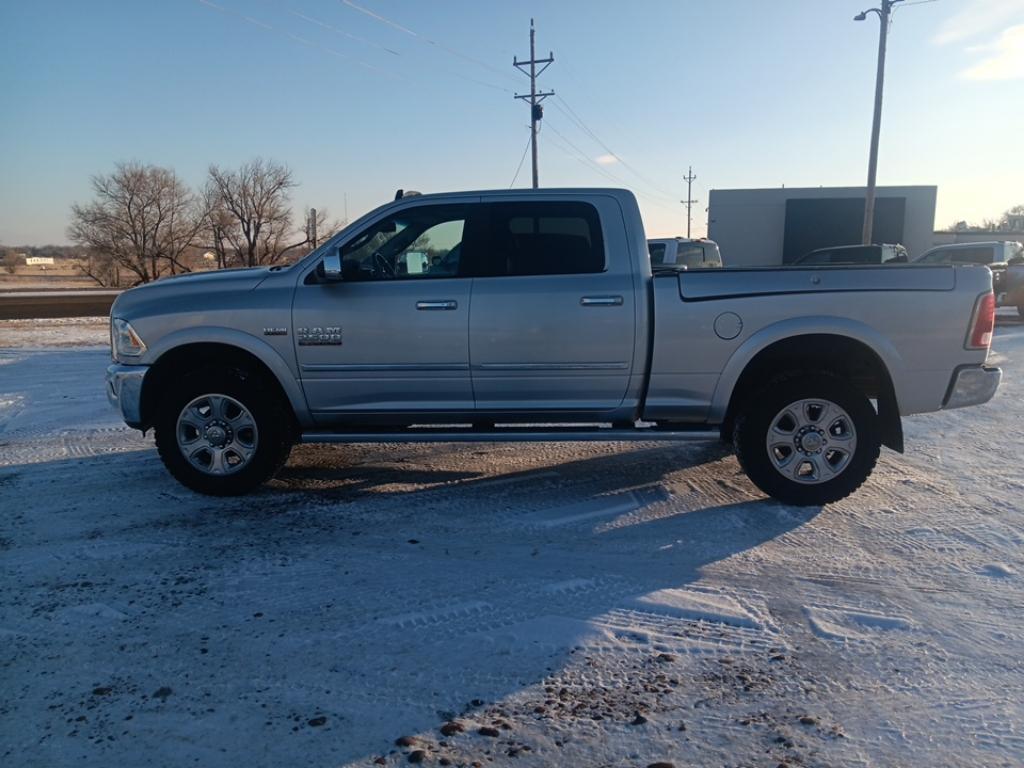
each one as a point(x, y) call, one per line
point(194, 289)
point(221, 276)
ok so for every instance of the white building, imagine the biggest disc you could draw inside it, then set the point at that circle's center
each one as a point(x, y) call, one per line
point(765, 227)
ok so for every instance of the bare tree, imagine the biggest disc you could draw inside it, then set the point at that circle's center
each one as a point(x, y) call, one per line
point(1012, 218)
point(99, 268)
point(10, 260)
point(142, 221)
point(250, 215)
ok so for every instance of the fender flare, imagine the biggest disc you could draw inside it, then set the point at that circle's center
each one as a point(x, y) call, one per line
point(802, 326)
point(258, 348)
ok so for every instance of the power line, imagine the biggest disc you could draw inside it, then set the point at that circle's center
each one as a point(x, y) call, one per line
point(567, 110)
point(526, 149)
point(664, 200)
point(413, 33)
point(563, 106)
point(585, 159)
point(297, 38)
point(332, 28)
point(333, 52)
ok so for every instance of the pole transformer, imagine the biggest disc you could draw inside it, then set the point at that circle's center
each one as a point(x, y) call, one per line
point(534, 97)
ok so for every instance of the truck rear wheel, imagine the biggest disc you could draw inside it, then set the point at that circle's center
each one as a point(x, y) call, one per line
point(807, 439)
point(222, 432)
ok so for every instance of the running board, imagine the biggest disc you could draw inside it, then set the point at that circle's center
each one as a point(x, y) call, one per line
point(514, 435)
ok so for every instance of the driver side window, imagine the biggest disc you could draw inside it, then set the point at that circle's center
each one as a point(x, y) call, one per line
point(418, 243)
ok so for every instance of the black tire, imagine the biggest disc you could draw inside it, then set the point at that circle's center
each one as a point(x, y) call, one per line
point(273, 418)
point(750, 436)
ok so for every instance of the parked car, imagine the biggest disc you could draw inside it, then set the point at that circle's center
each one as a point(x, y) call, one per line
point(550, 326)
point(881, 253)
point(1008, 283)
point(988, 253)
point(683, 253)
point(1003, 257)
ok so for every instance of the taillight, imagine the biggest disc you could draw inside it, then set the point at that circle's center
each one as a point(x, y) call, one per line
point(983, 323)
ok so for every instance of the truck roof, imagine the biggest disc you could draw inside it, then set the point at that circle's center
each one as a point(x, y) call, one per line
point(521, 192)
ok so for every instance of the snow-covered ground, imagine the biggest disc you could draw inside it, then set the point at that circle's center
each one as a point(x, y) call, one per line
point(569, 605)
point(55, 332)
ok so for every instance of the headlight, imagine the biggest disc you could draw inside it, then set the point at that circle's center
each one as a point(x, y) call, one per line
point(124, 341)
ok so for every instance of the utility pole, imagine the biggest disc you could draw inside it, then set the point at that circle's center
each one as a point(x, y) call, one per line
point(689, 201)
point(884, 16)
point(535, 98)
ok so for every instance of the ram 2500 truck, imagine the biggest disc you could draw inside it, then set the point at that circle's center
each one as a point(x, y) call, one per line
point(535, 315)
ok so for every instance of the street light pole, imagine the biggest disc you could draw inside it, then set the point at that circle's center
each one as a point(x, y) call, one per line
point(884, 15)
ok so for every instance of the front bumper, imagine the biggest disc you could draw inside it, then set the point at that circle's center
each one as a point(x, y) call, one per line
point(124, 391)
point(972, 385)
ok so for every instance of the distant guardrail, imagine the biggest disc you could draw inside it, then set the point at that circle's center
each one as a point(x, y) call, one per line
point(24, 305)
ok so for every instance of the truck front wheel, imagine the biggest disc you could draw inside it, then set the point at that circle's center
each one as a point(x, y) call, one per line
point(807, 439)
point(222, 431)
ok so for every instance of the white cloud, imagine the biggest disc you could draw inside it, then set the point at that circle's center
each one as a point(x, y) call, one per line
point(1004, 59)
point(606, 159)
point(978, 17)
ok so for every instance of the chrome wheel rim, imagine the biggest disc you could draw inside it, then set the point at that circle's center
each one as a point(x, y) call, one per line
point(811, 441)
point(216, 434)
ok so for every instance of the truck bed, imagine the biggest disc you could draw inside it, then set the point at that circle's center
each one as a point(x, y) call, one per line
point(711, 323)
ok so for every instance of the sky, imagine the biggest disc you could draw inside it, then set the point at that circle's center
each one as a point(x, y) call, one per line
point(362, 97)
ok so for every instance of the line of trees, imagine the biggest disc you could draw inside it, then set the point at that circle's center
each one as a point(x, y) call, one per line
point(144, 222)
point(1008, 222)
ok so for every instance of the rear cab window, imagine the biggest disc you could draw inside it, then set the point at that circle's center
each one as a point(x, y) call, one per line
point(540, 238)
point(712, 256)
point(690, 255)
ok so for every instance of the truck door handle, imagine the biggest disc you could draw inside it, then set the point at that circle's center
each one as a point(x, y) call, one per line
point(437, 305)
point(601, 301)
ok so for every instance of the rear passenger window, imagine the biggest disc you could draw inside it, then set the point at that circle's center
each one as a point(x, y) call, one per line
point(542, 238)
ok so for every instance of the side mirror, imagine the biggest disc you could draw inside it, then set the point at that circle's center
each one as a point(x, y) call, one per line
point(330, 267)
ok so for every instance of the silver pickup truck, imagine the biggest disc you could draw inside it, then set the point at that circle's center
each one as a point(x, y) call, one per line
point(535, 315)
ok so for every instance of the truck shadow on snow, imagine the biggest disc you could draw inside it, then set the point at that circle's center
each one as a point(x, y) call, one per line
point(340, 594)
